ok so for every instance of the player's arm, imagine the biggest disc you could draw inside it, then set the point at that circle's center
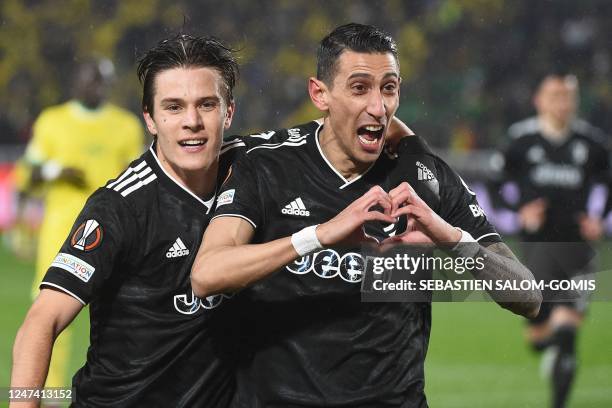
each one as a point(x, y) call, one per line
point(49, 315)
point(424, 225)
point(39, 156)
point(51, 171)
point(591, 223)
point(531, 208)
point(100, 238)
point(500, 263)
point(396, 131)
point(227, 261)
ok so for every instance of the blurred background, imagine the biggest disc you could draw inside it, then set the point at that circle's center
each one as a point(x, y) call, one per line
point(469, 68)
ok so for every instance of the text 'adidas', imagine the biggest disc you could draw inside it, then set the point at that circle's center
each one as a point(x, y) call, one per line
point(178, 249)
point(296, 207)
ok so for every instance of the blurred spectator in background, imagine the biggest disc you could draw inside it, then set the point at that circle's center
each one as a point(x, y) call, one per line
point(555, 160)
point(76, 147)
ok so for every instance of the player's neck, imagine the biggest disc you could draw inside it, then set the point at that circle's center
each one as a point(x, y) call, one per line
point(84, 109)
point(554, 130)
point(91, 106)
point(202, 183)
point(341, 161)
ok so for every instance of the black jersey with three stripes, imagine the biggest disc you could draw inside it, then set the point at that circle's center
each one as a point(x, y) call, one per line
point(307, 339)
point(153, 343)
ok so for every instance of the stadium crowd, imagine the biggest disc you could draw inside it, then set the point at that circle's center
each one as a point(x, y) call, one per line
point(468, 67)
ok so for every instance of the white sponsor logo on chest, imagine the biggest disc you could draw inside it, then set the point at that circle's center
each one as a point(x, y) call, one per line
point(296, 207)
point(177, 249)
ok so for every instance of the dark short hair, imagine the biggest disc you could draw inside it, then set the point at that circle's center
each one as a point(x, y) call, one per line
point(560, 74)
point(185, 51)
point(354, 37)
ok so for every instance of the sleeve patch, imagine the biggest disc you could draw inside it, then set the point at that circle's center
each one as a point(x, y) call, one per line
point(74, 265)
point(227, 197)
point(88, 236)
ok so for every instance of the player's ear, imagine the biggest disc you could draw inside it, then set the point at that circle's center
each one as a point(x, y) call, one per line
point(150, 123)
point(318, 94)
point(229, 115)
point(399, 87)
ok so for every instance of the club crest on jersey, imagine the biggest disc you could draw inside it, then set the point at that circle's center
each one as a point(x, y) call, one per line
point(88, 236)
point(296, 207)
point(536, 154)
point(580, 152)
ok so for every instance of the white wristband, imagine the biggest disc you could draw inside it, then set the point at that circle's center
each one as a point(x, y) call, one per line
point(306, 241)
point(467, 246)
point(50, 170)
point(465, 237)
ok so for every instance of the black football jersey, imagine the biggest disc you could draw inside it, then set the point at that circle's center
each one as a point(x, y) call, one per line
point(129, 257)
point(307, 339)
point(563, 174)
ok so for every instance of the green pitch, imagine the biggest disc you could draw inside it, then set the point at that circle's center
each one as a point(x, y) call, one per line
point(477, 357)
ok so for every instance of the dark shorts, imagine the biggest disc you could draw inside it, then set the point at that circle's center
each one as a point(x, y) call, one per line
point(559, 261)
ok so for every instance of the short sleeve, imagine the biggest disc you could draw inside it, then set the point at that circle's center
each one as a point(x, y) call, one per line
point(239, 195)
point(99, 241)
point(40, 147)
point(460, 206)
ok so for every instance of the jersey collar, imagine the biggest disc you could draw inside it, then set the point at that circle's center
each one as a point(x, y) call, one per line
point(179, 188)
point(80, 111)
point(345, 181)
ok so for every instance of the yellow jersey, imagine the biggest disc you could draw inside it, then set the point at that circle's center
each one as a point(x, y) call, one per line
point(100, 143)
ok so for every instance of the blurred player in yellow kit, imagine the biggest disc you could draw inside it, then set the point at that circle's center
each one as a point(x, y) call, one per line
point(76, 147)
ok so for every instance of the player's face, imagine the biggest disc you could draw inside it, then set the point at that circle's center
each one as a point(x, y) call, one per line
point(91, 86)
point(557, 99)
point(190, 115)
point(362, 101)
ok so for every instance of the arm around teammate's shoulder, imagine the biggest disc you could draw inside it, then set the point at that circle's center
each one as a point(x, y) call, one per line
point(49, 315)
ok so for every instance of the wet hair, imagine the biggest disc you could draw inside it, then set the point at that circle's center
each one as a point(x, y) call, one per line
point(186, 51)
point(354, 37)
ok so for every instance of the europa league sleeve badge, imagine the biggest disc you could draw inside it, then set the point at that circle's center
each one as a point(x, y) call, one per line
point(88, 236)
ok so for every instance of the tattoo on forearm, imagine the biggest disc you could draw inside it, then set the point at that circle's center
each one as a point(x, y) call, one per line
point(502, 264)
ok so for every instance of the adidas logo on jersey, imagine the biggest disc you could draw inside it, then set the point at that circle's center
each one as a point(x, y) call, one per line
point(296, 207)
point(424, 173)
point(178, 249)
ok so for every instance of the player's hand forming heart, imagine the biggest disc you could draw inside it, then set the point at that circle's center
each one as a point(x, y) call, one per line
point(347, 226)
point(424, 225)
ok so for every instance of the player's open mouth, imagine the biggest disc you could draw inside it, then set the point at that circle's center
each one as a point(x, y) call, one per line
point(370, 135)
point(193, 145)
point(193, 142)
